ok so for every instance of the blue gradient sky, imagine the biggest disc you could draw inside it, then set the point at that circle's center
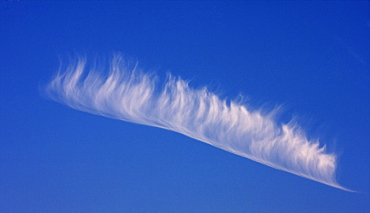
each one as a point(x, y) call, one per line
point(313, 58)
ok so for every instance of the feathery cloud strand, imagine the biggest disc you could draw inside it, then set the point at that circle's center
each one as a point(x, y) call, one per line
point(129, 94)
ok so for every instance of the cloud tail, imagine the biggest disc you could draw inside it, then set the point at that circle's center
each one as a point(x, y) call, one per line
point(130, 94)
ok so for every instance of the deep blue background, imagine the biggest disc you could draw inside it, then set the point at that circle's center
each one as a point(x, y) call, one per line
point(311, 58)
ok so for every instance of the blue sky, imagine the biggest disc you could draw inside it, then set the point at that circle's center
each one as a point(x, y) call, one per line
point(310, 58)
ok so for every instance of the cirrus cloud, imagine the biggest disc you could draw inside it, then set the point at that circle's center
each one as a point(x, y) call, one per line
point(130, 94)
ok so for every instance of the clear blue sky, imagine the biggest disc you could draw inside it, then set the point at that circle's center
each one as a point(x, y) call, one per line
point(311, 58)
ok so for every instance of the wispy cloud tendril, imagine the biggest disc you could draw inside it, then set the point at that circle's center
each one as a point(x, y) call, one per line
point(130, 94)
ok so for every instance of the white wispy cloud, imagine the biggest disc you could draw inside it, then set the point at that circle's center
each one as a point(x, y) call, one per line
point(129, 94)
